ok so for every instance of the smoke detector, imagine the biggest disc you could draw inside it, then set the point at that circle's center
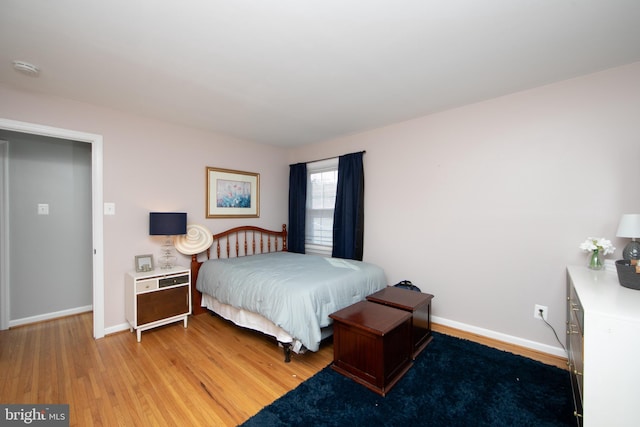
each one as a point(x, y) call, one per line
point(26, 68)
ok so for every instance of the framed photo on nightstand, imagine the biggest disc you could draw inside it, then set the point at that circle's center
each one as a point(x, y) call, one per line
point(144, 263)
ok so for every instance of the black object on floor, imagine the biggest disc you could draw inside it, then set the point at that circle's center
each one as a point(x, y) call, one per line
point(406, 284)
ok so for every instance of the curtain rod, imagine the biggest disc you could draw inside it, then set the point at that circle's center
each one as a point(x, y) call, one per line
point(327, 158)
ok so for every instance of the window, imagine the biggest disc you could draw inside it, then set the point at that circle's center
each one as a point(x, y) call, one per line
point(322, 182)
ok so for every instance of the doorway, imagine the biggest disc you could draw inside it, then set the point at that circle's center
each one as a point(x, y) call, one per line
point(97, 217)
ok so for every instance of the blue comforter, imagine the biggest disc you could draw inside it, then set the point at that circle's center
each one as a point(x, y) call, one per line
point(296, 292)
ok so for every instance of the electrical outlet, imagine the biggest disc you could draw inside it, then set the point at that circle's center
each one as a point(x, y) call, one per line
point(536, 312)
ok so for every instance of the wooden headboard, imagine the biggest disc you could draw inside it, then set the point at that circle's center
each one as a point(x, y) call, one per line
point(236, 242)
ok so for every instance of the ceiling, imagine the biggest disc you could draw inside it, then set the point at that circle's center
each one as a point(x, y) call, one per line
point(293, 72)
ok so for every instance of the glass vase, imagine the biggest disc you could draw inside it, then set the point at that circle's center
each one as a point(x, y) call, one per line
point(596, 260)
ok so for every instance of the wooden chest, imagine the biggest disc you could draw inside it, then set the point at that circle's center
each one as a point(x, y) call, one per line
point(372, 344)
point(418, 304)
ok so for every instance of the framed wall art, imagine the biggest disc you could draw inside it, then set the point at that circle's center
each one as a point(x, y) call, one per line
point(232, 193)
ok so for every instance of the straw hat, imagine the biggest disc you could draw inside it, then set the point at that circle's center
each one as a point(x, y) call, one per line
point(198, 239)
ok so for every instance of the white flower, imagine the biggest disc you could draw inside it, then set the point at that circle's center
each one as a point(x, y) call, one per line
point(598, 243)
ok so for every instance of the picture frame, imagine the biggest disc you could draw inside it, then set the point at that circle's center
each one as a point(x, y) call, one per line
point(144, 263)
point(232, 193)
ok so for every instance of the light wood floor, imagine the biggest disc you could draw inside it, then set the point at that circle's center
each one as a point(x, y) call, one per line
point(210, 374)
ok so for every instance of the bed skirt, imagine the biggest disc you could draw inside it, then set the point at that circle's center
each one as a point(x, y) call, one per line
point(256, 322)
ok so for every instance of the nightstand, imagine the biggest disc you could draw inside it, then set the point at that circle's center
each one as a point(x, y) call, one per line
point(156, 298)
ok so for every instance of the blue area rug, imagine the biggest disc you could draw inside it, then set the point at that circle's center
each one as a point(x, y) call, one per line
point(453, 382)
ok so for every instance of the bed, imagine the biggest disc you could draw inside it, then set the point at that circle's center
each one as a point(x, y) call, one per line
point(251, 279)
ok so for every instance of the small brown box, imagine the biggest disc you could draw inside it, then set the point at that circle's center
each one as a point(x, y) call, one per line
point(371, 344)
point(418, 303)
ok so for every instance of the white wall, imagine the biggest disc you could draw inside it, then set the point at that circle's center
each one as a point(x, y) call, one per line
point(485, 205)
point(153, 166)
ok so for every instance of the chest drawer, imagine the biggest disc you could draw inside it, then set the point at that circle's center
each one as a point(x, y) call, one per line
point(146, 285)
point(171, 281)
point(576, 316)
point(153, 306)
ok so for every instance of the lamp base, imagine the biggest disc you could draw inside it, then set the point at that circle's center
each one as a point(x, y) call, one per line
point(632, 250)
point(167, 254)
point(167, 262)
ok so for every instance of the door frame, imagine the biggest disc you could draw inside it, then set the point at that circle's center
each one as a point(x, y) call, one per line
point(97, 218)
point(4, 235)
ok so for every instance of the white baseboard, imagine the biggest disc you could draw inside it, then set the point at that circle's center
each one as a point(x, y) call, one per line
point(49, 316)
point(117, 328)
point(544, 348)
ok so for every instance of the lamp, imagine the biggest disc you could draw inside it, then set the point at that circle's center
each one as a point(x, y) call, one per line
point(630, 227)
point(167, 224)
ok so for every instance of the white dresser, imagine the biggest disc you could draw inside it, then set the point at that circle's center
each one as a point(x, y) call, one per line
point(603, 341)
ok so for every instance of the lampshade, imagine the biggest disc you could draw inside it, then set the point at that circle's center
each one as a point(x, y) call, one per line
point(630, 227)
point(167, 223)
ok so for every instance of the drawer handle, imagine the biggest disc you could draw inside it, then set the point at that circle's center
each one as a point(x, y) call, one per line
point(571, 330)
point(576, 414)
point(575, 371)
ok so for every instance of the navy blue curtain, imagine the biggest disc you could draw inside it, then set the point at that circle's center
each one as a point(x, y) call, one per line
point(297, 206)
point(348, 216)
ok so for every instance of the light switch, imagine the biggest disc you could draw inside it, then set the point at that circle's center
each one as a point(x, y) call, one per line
point(109, 208)
point(43, 209)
